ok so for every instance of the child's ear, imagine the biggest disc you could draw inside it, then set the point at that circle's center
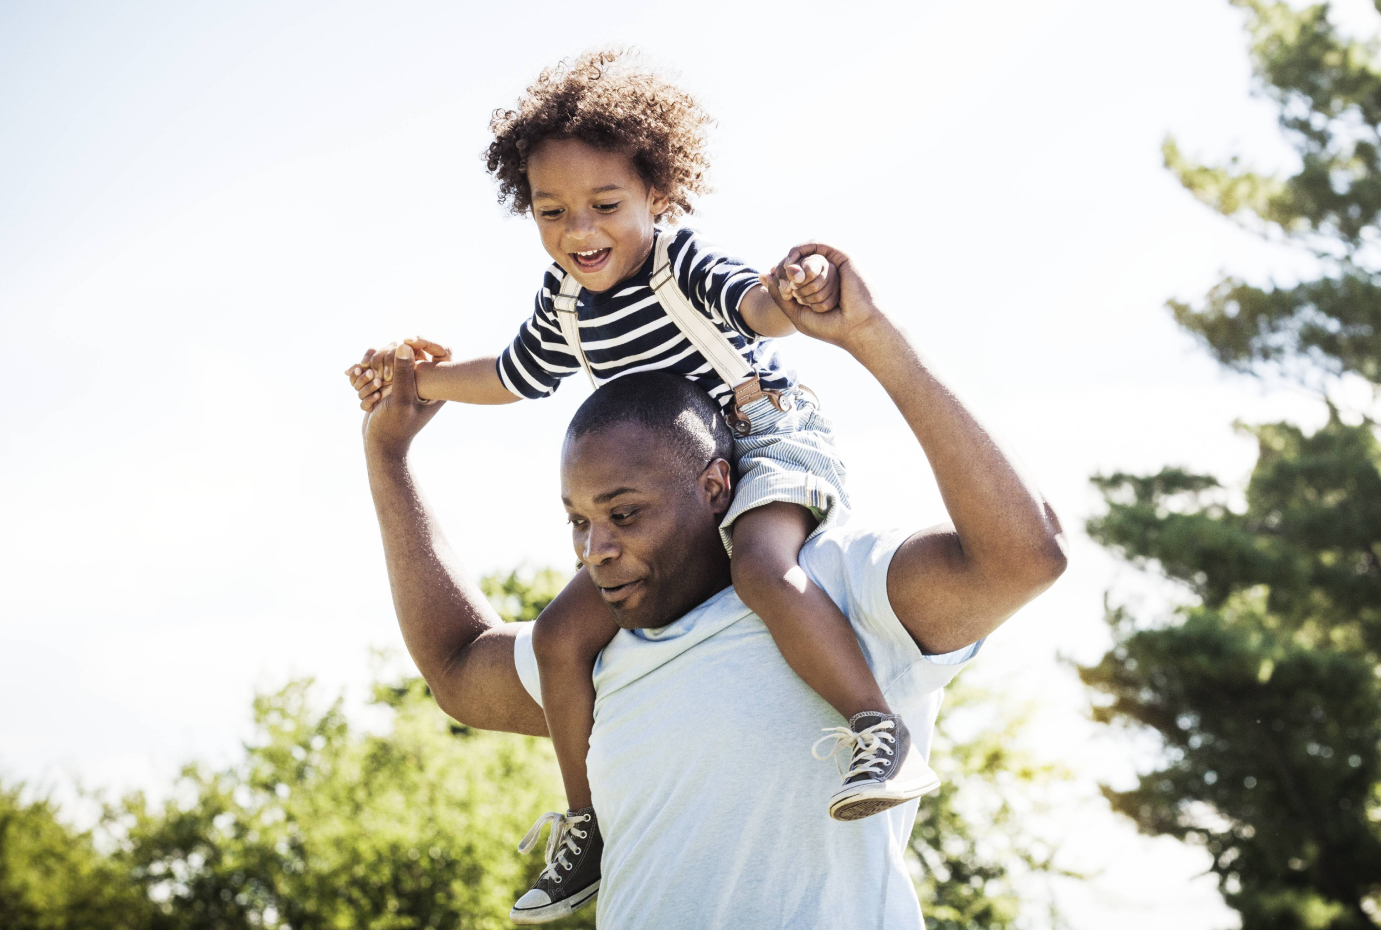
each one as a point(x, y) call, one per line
point(657, 202)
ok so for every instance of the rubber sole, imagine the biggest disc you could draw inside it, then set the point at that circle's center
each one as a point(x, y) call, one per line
point(874, 800)
point(555, 910)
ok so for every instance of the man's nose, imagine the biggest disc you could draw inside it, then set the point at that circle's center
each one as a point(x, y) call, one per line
point(600, 546)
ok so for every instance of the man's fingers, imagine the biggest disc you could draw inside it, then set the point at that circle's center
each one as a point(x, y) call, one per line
point(382, 361)
point(369, 387)
point(404, 379)
point(815, 284)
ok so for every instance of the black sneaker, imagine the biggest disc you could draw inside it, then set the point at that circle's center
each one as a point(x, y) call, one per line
point(571, 879)
point(885, 768)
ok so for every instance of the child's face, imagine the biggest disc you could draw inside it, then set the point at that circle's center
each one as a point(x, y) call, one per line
point(593, 210)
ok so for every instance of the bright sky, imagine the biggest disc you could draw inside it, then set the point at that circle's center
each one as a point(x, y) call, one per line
point(206, 212)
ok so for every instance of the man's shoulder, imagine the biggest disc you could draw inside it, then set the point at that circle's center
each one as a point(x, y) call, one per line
point(852, 546)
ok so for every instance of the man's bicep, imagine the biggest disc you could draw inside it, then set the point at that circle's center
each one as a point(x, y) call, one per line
point(481, 687)
point(938, 597)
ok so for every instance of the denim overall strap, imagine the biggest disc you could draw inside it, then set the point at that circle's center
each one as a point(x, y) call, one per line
point(567, 304)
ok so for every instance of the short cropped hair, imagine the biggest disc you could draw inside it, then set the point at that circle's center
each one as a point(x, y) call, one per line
point(608, 101)
point(680, 413)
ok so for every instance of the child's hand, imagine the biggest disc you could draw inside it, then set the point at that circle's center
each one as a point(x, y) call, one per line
point(813, 283)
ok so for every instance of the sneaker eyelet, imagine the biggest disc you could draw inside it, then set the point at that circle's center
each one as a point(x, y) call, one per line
point(558, 879)
point(577, 850)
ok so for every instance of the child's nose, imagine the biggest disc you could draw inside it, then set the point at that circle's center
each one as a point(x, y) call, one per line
point(579, 224)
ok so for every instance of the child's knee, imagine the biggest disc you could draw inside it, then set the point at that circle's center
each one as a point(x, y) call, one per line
point(760, 569)
point(767, 543)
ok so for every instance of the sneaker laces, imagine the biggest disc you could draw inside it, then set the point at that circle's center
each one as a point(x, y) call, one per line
point(560, 840)
point(864, 748)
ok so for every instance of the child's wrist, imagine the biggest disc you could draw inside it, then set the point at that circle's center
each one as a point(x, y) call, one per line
point(422, 372)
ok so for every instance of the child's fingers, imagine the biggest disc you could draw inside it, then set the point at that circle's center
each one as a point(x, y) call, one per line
point(365, 376)
point(814, 266)
point(436, 350)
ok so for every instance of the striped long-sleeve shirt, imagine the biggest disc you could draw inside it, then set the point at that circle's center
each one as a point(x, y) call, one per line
point(625, 330)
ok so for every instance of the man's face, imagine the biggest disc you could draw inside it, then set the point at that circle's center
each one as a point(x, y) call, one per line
point(595, 213)
point(645, 523)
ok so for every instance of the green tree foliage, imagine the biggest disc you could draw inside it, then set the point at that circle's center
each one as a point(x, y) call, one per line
point(975, 838)
point(1266, 693)
point(325, 825)
point(1328, 92)
point(53, 877)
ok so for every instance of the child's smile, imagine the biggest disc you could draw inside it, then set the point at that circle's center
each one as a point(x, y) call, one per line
point(594, 211)
point(592, 260)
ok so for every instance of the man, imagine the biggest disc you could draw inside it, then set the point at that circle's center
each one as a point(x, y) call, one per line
point(711, 814)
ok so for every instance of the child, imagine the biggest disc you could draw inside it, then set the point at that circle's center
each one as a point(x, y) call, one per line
point(599, 153)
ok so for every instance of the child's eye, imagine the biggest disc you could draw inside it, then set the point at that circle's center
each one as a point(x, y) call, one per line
point(550, 214)
point(606, 207)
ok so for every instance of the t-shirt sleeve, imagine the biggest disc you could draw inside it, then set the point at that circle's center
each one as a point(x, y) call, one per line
point(539, 357)
point(715, 282)
point(525, 658)
point(852, 567)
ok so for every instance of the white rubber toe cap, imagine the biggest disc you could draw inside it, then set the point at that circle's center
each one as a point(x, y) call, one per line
point(533, 899)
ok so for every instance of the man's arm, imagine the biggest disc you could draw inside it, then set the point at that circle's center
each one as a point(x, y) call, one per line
point(460, 645)
point(953, 584)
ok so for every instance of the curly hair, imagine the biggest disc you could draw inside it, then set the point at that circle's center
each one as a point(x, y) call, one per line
point(605, 101)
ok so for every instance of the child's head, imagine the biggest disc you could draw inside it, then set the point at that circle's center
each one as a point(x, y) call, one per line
point(598, 151)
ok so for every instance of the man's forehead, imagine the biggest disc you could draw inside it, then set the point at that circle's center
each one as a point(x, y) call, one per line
point(622, 457)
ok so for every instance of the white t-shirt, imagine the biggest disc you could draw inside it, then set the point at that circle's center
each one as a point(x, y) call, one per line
point(713, 810)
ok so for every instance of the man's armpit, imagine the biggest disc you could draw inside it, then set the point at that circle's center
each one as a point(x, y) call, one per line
point(481, 688)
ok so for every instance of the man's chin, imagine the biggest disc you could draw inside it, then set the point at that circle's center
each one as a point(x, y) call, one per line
point(639, 613)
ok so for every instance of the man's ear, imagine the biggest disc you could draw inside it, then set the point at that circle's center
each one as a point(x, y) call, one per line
point(717, 484)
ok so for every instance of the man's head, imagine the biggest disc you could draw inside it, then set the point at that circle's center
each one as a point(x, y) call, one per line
point(645, 477)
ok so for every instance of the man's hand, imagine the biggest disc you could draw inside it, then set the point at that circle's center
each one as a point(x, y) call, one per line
point(813, 283)
point(393, 414)
point(802, 285)
point(372, 377)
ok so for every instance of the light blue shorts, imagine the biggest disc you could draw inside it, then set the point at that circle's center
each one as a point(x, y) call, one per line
point(789, 456)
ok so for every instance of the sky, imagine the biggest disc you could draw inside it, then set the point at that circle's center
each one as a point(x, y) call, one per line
point(208, 211)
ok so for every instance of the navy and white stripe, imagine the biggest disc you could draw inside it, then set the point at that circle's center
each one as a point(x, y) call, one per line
point(625, 330)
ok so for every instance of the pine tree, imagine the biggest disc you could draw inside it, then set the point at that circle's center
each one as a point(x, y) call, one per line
point(1266, 693)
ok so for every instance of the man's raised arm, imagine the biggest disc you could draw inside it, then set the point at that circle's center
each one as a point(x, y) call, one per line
point(462, 648)
point(953, 584)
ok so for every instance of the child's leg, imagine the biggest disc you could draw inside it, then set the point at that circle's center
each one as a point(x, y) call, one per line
point(814, 636)
point(568, 636)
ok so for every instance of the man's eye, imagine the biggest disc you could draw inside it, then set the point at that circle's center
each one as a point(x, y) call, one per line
point(625, 515)
point(575, 521)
